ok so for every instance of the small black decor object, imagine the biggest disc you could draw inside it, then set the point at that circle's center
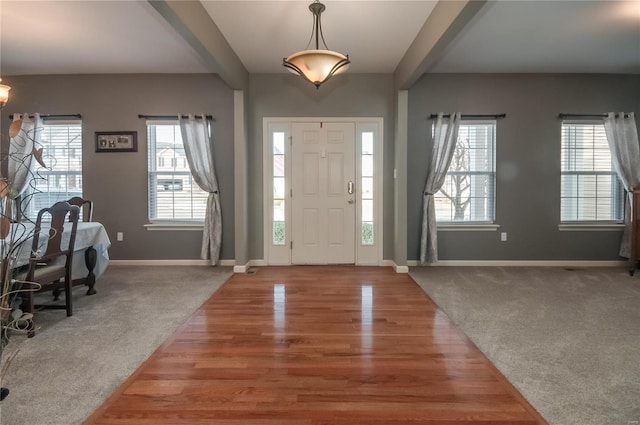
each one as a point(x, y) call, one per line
point(116, 141)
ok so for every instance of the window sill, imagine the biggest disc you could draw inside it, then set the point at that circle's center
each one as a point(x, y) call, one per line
point(174, 226)
point(468, 227)
point(590, 227)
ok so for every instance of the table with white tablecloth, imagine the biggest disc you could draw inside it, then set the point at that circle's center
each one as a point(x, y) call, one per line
point(90, 254)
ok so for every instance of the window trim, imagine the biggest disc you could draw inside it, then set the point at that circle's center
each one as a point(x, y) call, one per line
point(475, 225)
point(364, 254)
point(590, 224)
point(156, 226)
point(47, 172)
point(166, 223)
point(467, 226)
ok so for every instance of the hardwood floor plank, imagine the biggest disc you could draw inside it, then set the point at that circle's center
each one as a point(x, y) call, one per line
point(317, 345)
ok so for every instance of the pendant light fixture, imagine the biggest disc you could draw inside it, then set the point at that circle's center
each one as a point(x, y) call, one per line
point(317, 65)
point(4, 94)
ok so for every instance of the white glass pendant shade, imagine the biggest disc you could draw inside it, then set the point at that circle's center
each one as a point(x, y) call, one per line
point(4, 94)
point(317, 66)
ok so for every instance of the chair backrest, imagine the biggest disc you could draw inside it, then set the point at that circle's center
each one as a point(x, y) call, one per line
point(58, 214)
point(85, 205)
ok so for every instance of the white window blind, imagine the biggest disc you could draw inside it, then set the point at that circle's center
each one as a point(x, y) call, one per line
point(61, 143)
point(468, 192)
point(173, 194)
point(590, 189)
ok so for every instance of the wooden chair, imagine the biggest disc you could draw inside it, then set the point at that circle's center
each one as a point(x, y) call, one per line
point(85, 205)
point(90, 254)
point(43, 267)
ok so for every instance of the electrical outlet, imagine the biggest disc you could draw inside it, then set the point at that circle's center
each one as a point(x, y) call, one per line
point(503, 236)
point(120, 236)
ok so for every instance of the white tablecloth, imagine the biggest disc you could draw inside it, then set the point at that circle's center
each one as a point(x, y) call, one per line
point(90, 234)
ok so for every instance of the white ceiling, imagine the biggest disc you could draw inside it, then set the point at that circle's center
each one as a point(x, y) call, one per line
point(89, 37)
point(62, 37)
point(375, 34)
point(549, 37)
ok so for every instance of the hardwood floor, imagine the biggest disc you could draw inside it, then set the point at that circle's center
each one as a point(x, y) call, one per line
point(317, 345)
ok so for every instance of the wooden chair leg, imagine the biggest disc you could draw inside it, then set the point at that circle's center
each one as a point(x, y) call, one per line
point(67, 296)
point(31, 329)
point(28, 306)
point(28, 303)
point(56, 293)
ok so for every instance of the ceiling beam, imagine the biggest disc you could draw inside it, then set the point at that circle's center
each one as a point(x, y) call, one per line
point(445, 22)
point(191, 20)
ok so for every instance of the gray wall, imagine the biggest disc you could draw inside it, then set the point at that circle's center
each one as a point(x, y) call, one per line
point(527, 159)
point(347, 95)
point(117, 181)
point(528, 143)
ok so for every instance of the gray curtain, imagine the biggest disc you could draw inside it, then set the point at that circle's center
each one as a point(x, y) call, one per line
point(622, 136)
point(444, 142)
point(24, 142)
point(28, 132)
point(198, 147)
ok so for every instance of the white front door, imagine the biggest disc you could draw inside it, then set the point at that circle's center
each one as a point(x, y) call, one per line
point(323, 209)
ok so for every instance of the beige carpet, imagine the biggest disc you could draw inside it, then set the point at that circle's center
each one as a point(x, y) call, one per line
point(568, 339)
point(73, 364)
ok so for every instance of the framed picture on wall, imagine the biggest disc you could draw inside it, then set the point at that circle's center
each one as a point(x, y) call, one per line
point(116, 141)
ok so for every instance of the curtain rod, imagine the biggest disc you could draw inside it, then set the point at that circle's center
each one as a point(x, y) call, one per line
point(434, 116)
point(588, 115)
point(172, 117)
point(53, 116)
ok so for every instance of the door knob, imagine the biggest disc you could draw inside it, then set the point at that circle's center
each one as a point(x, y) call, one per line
point(351, 201)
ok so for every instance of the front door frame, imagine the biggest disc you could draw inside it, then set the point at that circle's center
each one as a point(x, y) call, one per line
point(280, 254)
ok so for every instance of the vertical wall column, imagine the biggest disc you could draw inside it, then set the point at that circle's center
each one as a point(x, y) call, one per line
point(400, 183)
point(240, 142)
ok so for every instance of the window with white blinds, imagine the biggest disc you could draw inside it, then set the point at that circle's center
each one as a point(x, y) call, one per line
point(591, 190)
point(61, 143)
point(173, 194)
point(468, 192)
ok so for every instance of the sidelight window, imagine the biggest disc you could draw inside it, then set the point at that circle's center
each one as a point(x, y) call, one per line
point(279, 213)
point(366, 192)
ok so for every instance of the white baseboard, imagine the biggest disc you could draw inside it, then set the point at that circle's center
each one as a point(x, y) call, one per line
point(397, 268)
point(168, 262)
point(521, 263)
point(241, 269)
point(262, 263)
point(245, 267)
point(389, 263)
